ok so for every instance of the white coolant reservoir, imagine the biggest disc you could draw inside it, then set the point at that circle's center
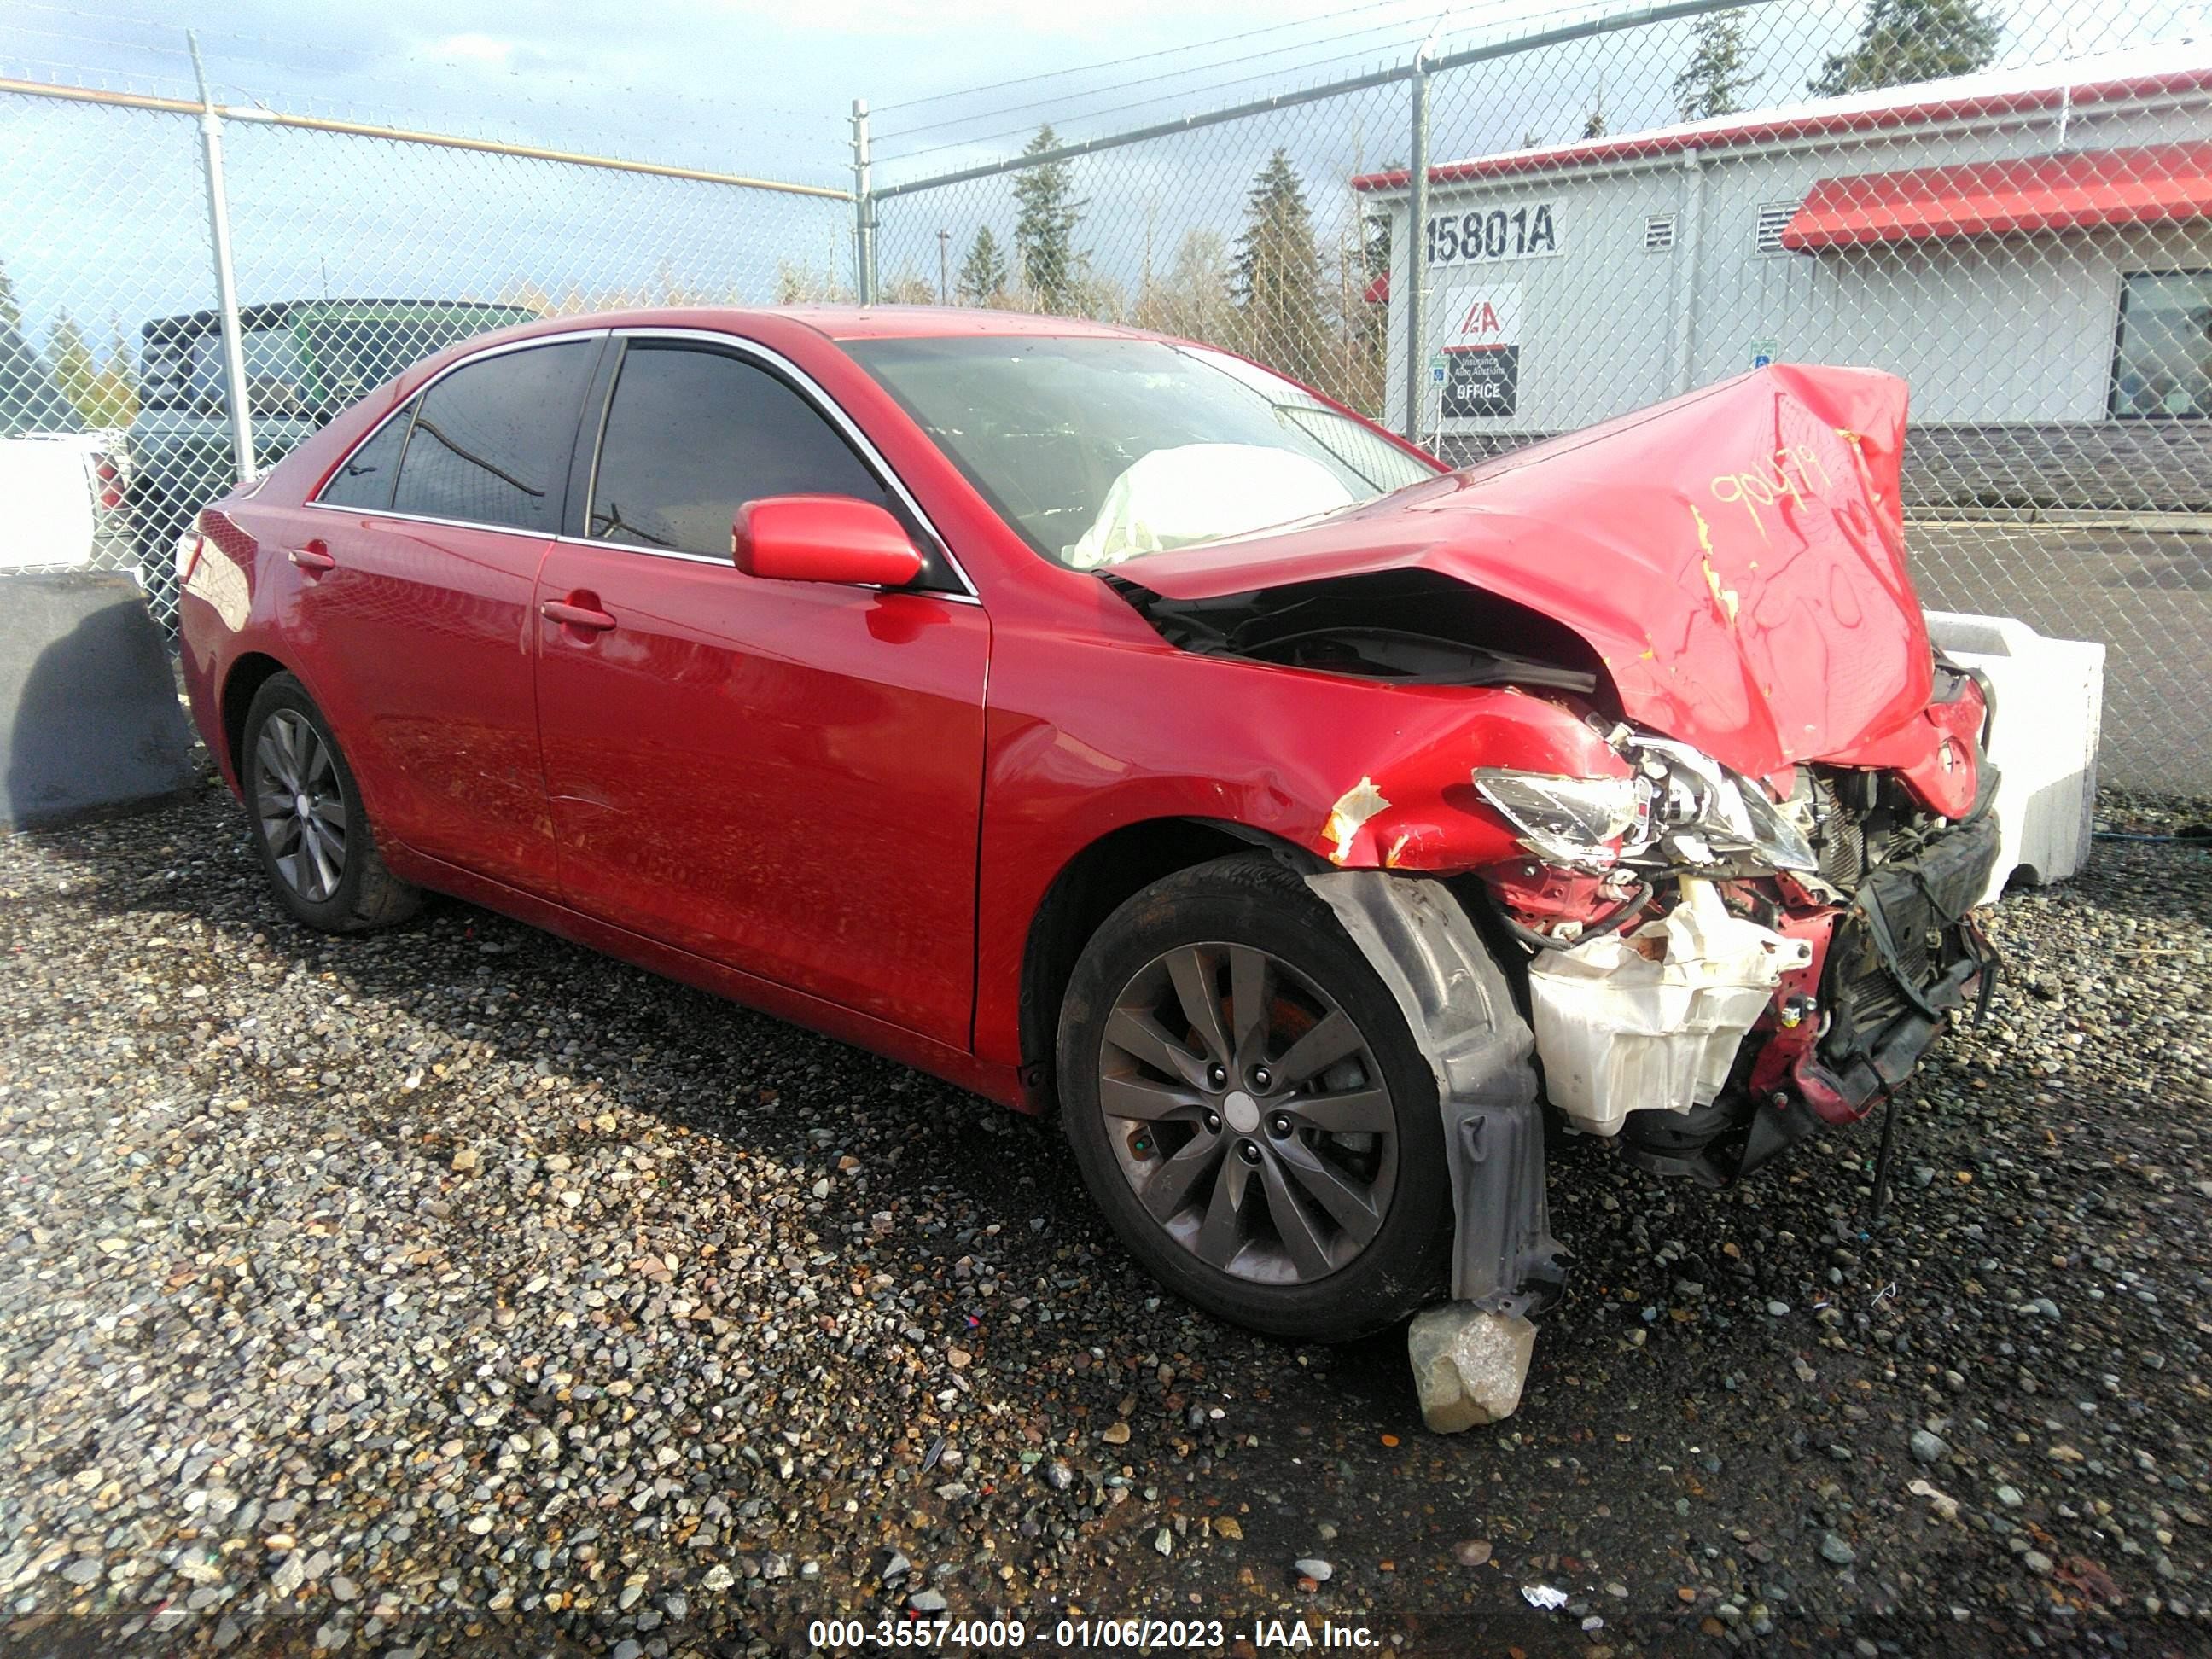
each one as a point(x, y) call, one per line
point(1651, 1021)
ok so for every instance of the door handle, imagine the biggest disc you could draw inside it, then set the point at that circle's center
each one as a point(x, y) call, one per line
point(584, 616)
point(314, 558)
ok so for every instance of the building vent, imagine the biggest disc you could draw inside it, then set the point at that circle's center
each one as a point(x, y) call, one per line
point(1658, 233)
point(1774, 218)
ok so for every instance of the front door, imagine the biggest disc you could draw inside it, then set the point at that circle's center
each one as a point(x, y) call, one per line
point(782, 777)
point(416, 607)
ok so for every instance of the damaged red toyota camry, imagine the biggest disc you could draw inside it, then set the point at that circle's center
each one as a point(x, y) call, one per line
point(1113, 727)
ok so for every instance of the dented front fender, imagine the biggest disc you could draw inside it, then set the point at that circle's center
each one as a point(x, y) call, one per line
point(1415, 806)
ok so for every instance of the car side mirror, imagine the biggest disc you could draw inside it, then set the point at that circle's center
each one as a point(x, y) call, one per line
point(823, 538)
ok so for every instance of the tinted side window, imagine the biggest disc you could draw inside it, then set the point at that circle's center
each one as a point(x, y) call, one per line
point(366, 478)
point(692, 435)
point(492, 439)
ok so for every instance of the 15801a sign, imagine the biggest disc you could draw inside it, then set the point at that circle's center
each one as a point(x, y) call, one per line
point(1481, 235)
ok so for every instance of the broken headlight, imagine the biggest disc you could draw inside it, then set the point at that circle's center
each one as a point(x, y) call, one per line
point(1678, 809)
point(1572, 821)
point(1704, 815)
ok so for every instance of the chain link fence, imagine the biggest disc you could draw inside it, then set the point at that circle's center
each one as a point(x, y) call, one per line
point(1489, 243)
point(356, 248)
point(2004, 205)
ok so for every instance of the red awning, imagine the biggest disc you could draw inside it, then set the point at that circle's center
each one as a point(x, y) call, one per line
point(2075, 190)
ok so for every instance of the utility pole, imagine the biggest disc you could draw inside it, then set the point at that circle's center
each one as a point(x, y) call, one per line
point(945, 267)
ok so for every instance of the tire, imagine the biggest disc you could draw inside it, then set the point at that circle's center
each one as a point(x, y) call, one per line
point(332, 879)
point(152, 521)
point(1317, 1279)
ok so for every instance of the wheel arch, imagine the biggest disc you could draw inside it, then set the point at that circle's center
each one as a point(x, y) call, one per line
point(251, 672)
point(1089, 887)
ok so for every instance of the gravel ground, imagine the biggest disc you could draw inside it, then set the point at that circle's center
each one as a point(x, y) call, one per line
point(456, 1290)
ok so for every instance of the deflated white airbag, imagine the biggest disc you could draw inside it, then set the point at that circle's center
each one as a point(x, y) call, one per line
point(1201, 493)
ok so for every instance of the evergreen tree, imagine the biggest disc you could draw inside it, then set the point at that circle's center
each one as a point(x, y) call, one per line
point(982, 278)
point(74, 372)
point(1906, 40)
point(1713, 81)
point(1044, 228)
point(29, 400)
point(111, 400)
point(1278, 277)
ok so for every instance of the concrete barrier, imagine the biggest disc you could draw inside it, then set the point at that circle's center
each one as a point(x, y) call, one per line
point(2050, 701)
point(88, 716)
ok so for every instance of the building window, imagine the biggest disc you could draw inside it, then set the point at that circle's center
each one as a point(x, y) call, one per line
point(2162, 368)
point(1658, 233)
point(1774, 218)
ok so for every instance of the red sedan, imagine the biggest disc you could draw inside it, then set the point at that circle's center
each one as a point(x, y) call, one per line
point(1111, 726)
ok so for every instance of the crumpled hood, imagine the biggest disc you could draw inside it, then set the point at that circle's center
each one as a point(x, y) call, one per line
point(1735, 556)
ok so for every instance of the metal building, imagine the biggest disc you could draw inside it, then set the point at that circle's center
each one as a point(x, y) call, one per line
point(2029, 248)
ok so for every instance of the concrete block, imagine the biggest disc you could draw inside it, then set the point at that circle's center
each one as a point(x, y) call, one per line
point(2049, 703)
point(1469, 1365)
point(88, 714)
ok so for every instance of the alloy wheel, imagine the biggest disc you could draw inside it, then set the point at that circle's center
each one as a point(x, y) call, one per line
point(301, 805)
point(1248, 1113)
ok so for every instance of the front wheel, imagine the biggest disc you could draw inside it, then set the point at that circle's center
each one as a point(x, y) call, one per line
point(314, 834)
point(1249, 1109)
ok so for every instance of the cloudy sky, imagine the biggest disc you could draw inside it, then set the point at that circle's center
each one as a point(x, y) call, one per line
point(104, 214)
point(759, 85)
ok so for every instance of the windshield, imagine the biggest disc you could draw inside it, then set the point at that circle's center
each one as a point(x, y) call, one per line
point(1098, 449)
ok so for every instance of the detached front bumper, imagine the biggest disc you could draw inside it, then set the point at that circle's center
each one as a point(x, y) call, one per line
point(1905, 952)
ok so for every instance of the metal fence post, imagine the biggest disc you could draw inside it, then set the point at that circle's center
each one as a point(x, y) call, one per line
point(864, 210)
point(226, 284)
point(1417, 267)
point(1686, 301)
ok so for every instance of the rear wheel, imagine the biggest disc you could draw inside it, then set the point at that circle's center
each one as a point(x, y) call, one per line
point(1249, 1109)
point(314, 836)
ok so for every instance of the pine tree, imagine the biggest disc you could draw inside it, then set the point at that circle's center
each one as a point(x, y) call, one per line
point(29, 400)
point(1277, 280)
point(1713, 81)
point(112, 398)
point(982, 278)
point(74, 372)
point(1907, 41)
point(1044, 228)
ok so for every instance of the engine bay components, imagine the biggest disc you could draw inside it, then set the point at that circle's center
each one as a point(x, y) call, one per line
point(1651, 1019)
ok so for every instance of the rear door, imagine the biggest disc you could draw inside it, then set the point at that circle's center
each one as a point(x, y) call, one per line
point(783, 776)
point(418, 568)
